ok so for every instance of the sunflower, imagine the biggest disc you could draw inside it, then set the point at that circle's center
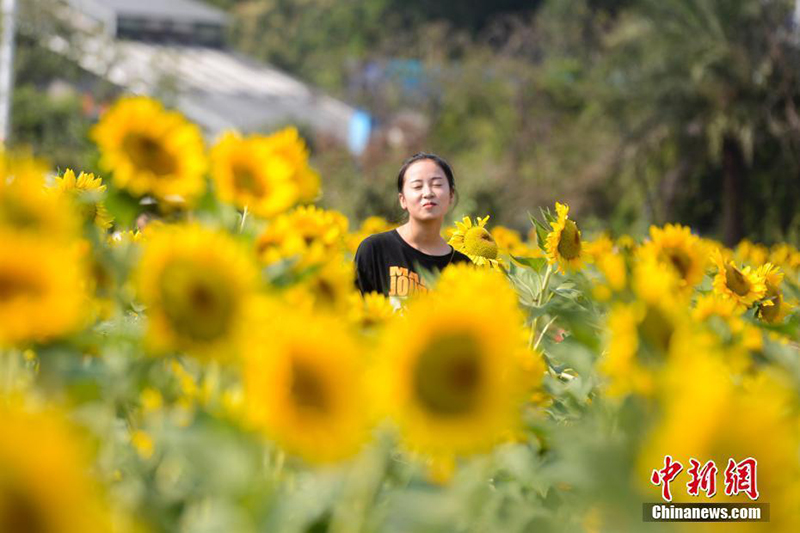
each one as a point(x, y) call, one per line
point(643, 333)
point(774, 308)
point(196, 284)
point(743, 285)
point(26, 207)
point(451, 371)
point(706, 415)
point(563, 246)
point(751, 253)
point(464, 276)
point(307, 233)
point(609, 261)
point(249, 173)
point(370, 310)
point(628, 325)
point(675, 246)
point(44, 486)
point(151, 150)
point(329, 286)
point(41, 288)
point(713, 311)
point(785, 256)
point(657, 283)
point(304, 384)
point(291, 148)
point(475, 241)
point(510, 241)
point(86, 190)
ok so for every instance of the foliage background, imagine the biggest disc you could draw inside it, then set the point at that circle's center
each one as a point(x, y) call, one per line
point(635, 112)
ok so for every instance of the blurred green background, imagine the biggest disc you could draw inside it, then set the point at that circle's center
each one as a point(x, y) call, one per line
point(635, 112)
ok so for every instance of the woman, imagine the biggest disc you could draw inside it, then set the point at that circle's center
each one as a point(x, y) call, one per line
point(389, 262)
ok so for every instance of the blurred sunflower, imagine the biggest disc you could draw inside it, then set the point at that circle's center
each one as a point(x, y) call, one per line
point(627, 326)
point(249, 173)
point(307, 233)
point(42, 288)
point(196, 284)
point(774, 308)
point(303, 385)
point(370, 310)
point(609, 261)
point(44, 486)
point(451, 372)
point(707, 416)
point(751, 253)
point(642, 334)
point(626, 243)
point(675, 246)
point(20, 165)
point(26, 207)
point(455, 278)
point(743, 285)
point(723, 317)
point(327, 288)
point(151, 150)
point(564, 246)
point(475, 241)
point(785, 256)
point(510, 242)
point(291, 148)
point(86, 191)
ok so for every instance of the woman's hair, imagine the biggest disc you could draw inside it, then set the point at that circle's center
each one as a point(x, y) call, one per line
point(401, 176)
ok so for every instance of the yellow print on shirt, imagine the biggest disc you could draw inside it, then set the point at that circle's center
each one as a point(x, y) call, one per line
point(403, 282)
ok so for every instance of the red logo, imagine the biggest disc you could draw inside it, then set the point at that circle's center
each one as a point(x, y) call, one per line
point(738, 477)
point(741, 477)
point(665, 476)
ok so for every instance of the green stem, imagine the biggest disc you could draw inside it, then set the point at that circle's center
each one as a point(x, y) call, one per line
point(539, 301)
point(544, 330)
point(244, 218)
point(545, 284)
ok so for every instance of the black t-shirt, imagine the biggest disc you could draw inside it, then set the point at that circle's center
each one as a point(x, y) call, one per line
point(387, 264)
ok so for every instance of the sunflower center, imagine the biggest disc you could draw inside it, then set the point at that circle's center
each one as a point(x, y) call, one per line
point(308, 389)
point(736, 281)
point(569, 245)
point(770, 313)
point(478, 241)
point(679, 260)
point(325, 291)
point(197, 302)
point(147, 153)
point(15, 287)
point(19, 513)
point(17, 215)
point(656, 329)
point(448, 376)
point(245, 179)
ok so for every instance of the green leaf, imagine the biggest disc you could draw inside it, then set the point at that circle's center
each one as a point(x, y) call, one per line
point(123, 208)
point(541, 235)
point(537, 311)
point(536, 263)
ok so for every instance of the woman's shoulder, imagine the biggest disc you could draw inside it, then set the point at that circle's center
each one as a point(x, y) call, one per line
point(458, 257)
point(376, 241)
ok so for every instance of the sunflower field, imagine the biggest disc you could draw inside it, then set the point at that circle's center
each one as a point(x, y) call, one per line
point(183, 349)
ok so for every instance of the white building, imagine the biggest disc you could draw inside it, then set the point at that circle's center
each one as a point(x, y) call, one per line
point(144, 45)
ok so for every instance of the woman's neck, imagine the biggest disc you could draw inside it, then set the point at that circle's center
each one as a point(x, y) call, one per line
point(425, 237)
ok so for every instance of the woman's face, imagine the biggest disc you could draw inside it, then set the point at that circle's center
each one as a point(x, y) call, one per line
point(426, 193)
